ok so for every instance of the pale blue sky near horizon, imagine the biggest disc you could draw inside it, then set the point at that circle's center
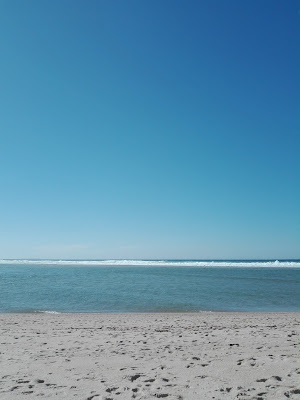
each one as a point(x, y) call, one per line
point(149, 129)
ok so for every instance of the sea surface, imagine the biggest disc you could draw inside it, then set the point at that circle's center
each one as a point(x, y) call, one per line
point(120, 286)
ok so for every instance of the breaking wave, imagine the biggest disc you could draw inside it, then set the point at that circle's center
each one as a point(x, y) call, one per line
point(160, 263)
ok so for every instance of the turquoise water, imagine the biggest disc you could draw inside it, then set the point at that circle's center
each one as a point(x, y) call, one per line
point(57, 287)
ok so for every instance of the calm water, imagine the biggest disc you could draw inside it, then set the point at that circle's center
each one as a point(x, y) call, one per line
point(29, 287)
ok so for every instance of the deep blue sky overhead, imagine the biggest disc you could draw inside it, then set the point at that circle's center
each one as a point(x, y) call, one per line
point(149, 129)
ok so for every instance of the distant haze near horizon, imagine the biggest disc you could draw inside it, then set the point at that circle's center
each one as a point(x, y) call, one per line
point(149, 129)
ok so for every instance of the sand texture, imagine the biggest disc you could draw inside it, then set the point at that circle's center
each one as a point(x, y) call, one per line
point(147, 356)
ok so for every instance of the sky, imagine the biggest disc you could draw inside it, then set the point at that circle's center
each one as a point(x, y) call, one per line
point(149, 129)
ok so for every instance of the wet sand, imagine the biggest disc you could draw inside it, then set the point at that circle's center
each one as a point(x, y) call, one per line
point(147, 356)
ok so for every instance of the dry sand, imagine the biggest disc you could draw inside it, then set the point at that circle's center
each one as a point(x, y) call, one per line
point(148, 356)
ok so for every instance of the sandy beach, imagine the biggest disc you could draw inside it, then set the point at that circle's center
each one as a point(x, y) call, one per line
point(147, 356)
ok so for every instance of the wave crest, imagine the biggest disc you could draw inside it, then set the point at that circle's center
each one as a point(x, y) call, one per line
point(158, 263)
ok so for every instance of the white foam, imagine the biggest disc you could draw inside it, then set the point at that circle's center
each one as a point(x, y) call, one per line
point(49, 312)
point(157, 263)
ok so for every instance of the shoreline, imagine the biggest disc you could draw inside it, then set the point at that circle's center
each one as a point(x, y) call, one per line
point(80, 313)
point(211, 355)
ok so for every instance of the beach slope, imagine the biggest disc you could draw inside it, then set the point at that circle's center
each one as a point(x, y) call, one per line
point(147, 356)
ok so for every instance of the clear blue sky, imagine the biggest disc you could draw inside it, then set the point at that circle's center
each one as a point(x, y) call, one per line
point(149, 129)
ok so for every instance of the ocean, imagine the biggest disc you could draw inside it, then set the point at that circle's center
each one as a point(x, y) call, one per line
point(121, 286)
